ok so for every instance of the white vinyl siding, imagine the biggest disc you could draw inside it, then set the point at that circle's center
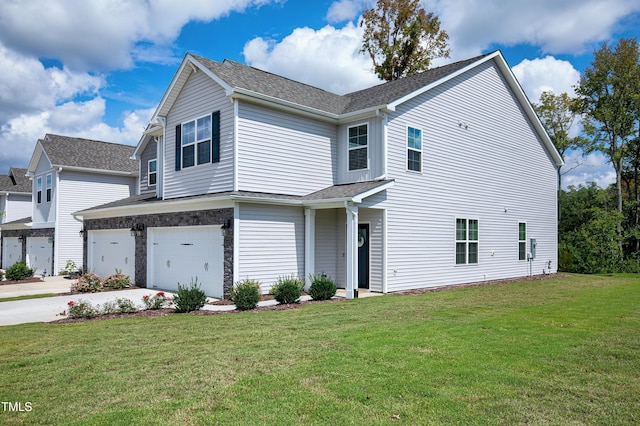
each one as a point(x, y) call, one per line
point(15, 206)
point(284, 153)
point(78, 191)
point(199, 97)
point(271, 243)
point(502, 174)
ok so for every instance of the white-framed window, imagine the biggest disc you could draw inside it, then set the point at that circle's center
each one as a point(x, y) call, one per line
point(522, 241)
point(152, 172)
point(358, 147)
point(48, 187)
point(196, 141)
point(467, 236)
point(414, 149)
point(39, 189)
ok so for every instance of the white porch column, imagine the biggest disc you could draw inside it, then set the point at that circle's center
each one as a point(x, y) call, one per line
point(351, 263)
point(309, 245)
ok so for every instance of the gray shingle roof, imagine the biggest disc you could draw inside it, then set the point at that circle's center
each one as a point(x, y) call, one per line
point(90, 154)
point(245, 77)
point(334, 192)
point(253, 79)
point(15, 181)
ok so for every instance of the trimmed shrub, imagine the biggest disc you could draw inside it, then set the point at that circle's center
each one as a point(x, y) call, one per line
point(81, 309)
point(126, 306)
point(246, 294)
point(322, 287)
point(157, 301)
point(87, 283)
point(288, 289)
point(117, 281)
point(189, 298)
point(1, 275)
point(18, 271)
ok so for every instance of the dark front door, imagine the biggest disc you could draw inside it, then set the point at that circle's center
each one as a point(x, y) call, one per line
point(363, 255)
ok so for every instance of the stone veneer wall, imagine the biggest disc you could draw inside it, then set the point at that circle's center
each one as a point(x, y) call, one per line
point(26, 233)
point(192, 218)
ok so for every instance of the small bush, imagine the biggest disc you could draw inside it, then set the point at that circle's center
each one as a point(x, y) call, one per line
point(117, 281)
point(126, 306)
point(108, 308)
point(81, 309)
point(157, 301)
point(288, 289)
point(19, 271)
point(322, 287)
point(189, 299)
point(1, 275)
point(70, 267)
point(87, 283)
point(246, 294)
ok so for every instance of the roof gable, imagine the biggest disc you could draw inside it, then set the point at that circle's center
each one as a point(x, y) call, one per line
point(85, 154)
point(245, 82)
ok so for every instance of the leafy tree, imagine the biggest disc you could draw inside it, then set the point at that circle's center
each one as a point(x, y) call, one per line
point(402, 38)
point(557, 115)
point(608, 97)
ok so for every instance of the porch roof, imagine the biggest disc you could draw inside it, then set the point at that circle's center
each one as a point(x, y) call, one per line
point(23, 223)
point(355, 192)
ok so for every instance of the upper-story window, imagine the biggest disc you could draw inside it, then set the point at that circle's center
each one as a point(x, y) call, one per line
point(414, 149)
point(358, 142)
point(152, 172)
point(198, 141)
point(39, 189)
point(48, 187)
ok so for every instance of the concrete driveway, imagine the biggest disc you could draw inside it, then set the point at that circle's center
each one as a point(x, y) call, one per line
point(47, 309)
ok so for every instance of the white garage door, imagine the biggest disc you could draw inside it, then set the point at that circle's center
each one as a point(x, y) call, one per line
point(11, 251)
point(111, 249)
point(39, 255)
point(180, 254)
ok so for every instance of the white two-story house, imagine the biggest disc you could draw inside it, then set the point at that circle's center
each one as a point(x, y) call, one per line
point(445, 177)
point(15, 204)
point(67, 174)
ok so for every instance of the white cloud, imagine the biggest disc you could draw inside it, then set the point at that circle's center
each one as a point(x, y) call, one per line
point(27, 86)
point(102, 34)
point(347, 10)
point(328, 58)
point(546, 74)
point(580, 170)
point(568, 26)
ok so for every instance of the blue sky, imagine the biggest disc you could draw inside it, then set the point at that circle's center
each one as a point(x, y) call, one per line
point(97, 69)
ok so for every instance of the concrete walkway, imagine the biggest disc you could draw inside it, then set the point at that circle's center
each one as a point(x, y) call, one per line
point(48, 309)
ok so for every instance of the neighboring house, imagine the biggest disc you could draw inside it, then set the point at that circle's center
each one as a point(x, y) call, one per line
point(445, 177)
point(67, 174)
point(15, 203)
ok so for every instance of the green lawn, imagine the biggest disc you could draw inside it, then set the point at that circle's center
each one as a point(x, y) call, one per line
point(559, 351)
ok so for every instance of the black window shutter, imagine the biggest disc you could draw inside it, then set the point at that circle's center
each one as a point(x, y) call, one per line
point(178, 147)
point(215, 136)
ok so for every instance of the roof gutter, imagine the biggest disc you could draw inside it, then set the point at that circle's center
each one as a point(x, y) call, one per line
point(59, 168)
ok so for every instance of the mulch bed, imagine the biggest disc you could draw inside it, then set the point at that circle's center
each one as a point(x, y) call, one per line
point(283, 307)
point(26, 280)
